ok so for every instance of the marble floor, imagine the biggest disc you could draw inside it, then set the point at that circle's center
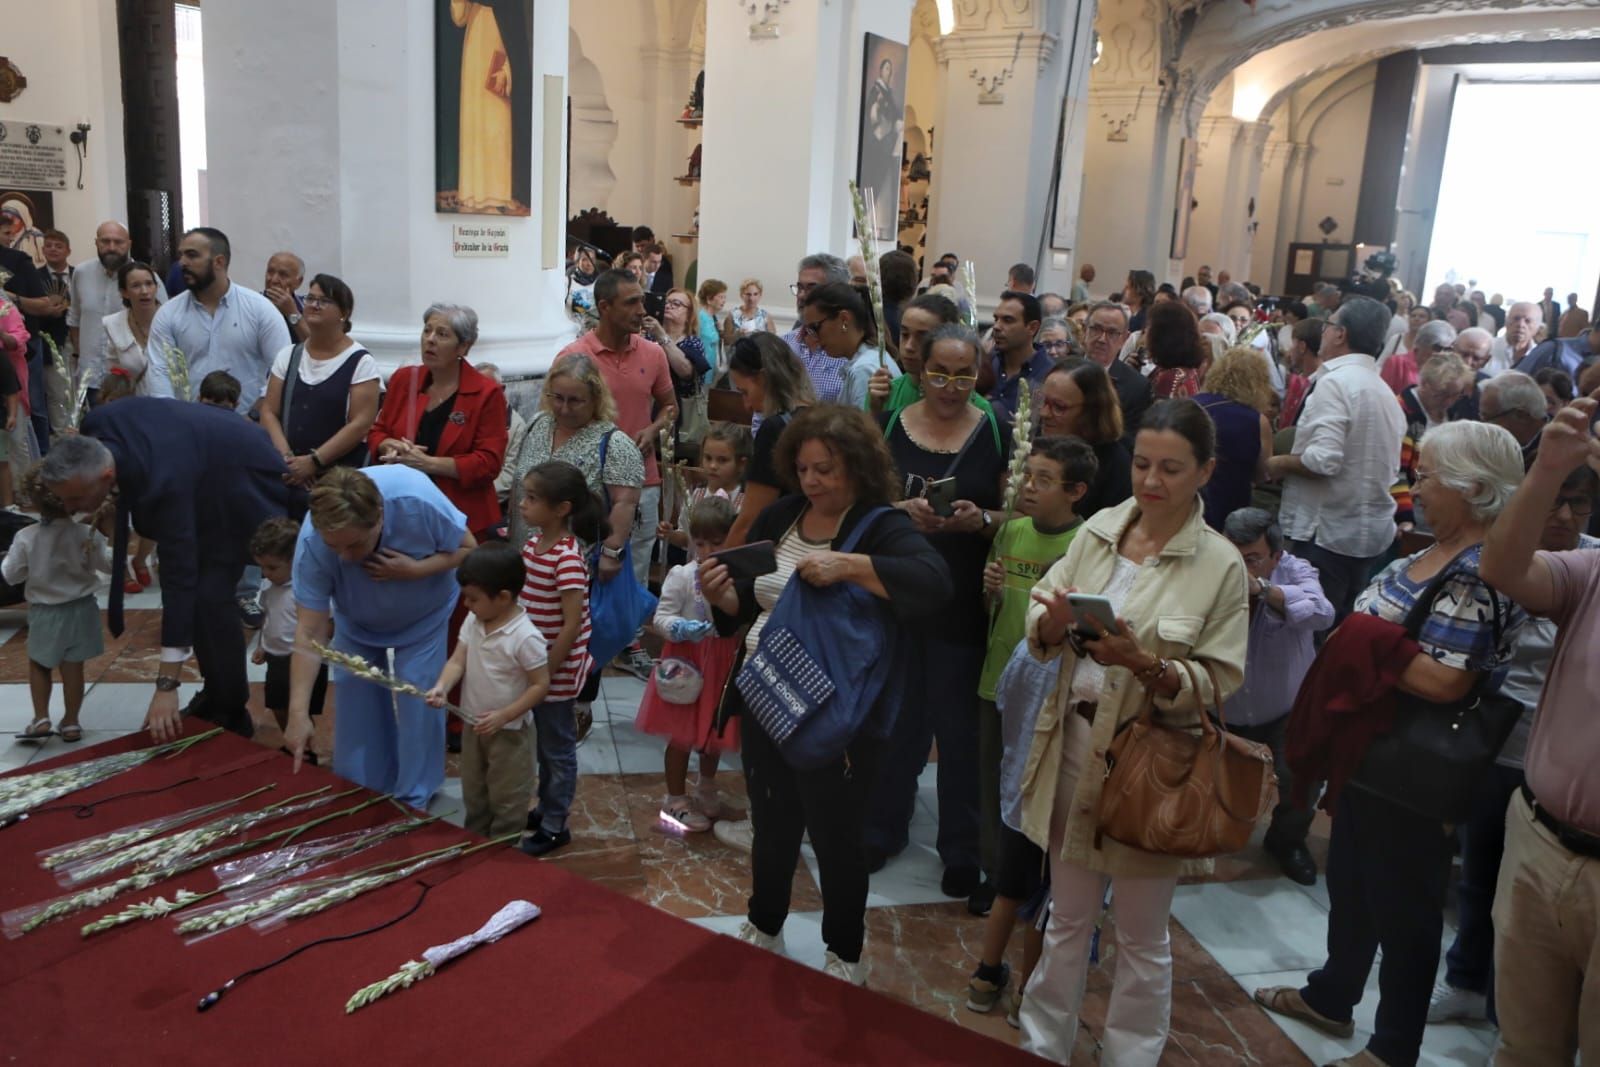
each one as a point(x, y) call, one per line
point(1242, 928)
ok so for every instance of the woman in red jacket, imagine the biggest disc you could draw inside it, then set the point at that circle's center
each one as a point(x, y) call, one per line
point(447, 420)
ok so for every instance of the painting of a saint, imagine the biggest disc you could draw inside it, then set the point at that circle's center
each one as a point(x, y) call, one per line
point(483, 59)
point(883, 114)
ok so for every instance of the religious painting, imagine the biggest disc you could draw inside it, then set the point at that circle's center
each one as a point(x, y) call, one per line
point(1184, 202)
point(483, 107)
point(883, 122)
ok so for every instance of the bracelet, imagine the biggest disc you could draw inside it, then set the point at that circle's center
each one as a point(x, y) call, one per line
point(316, 459)
point(1153, 674)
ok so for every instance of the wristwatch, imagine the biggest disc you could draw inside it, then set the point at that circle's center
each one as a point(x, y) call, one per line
point(1263, 587)
point(988, 520)
point(294, 320)
point(165, 684)
point(610, 553)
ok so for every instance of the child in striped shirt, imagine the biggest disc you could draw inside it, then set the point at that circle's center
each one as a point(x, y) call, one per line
point(559, 509)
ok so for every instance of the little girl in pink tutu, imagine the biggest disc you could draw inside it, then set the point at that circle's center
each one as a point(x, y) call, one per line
point(687, 686)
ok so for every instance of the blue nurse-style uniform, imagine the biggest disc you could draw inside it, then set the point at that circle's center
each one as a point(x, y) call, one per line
point(382, 740)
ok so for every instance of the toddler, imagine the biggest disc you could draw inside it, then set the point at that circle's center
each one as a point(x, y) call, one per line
point(685, 691)
point(59, 562)
point(502, 665)
point(220, 389)
point(723, 454)
point(272, 547)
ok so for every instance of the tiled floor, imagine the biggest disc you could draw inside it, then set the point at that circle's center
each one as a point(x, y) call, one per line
point(1239, 930)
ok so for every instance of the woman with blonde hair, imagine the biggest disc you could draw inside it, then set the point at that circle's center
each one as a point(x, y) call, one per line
point(750, 317)
point(374, 571)
point(1238, 398)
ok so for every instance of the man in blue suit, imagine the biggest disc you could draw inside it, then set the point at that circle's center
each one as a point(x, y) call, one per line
point(197, 480)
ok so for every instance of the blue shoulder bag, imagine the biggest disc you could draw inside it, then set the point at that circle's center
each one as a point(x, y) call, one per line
point(619, 607)
point(820, 665)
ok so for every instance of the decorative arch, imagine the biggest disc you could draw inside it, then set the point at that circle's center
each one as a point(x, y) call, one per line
point(594, 130)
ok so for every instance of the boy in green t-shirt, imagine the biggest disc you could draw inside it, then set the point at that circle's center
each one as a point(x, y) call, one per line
point(1059, 472)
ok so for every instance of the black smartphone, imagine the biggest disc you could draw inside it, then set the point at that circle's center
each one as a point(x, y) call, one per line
point(749, 562)
point(941, 497)
point(655, 305)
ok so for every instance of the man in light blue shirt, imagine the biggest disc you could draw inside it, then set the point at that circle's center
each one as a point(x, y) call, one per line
point(215, 324)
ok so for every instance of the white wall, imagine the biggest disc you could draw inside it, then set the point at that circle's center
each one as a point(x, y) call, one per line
point(67, 49)
point(612, 35)
point(1338, 139)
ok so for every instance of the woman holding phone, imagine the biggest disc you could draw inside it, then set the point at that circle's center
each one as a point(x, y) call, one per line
point(1182, 618)
point(950, 458)
point(837, 459)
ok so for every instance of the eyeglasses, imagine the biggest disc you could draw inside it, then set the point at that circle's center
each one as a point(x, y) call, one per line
point(1054, 347)
point(801, 288)
point(1096, 330)
point(559, 401)
point(963, 382)
point(1578, 505)
point(318, 302)
point(684, 304)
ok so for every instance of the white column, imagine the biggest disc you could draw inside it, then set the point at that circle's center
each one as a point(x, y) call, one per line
point(1264, 251)
point(1060, 269)
point(320, 137)
point(1241, 204)
point(1294, 191)
point(1001, 91)
point(783, 97)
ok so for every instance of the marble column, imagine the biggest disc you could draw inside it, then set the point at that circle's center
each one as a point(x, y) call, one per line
point(783, 98)
point(320, 139)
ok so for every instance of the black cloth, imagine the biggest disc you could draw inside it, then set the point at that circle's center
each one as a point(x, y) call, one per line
point(977, 473)
point(1388, 869)
point(761, 469)
point(1466, 409)
point(276, 690)
point(320, 411)
point(219, 647)
point(9, 382)
point(1133, 394)
point(1136, 323)
point(661, 281)
point(1290, 823)
point(431, 425)
point(198, 480)
point(25, 280)
point(829, 803)
point(1113, 478)
point(1238, 428)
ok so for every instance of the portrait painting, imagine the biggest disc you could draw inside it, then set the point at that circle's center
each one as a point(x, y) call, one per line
point(883, 121)
point(483, 107)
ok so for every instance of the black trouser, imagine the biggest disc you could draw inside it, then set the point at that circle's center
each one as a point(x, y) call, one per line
point(224, 696)
point(830, 802)
point(1290, 824)
point(1343, 578)
point(1387, 872)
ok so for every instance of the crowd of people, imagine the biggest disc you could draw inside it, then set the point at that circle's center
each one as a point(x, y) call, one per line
point(1315, 520)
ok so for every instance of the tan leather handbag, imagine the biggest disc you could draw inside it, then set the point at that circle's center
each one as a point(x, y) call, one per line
point(1179, 792)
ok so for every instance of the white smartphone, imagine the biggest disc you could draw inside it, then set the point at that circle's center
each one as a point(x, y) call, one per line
point(1096, 607)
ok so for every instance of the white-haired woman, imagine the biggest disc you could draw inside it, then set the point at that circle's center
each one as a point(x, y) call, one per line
point(1388, 866)
point(446, 420)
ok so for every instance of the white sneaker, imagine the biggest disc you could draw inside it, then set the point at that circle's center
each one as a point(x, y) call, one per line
point(1449, 1003)
point(854, 973)
point(750, 933)
point(678, 813)
point(740, 835)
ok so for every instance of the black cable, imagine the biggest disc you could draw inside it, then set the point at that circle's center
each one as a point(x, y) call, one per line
point(210, 999)
point(86, 810)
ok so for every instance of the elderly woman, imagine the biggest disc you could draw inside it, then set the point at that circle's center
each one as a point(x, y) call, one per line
point(1056, 338)
point(374, 569)
point(1178, 590)
point(1400, 370)
point(1388, 866)
point(321, 420)
point(838, 461)
point(709, 322)
point(1078, 399)
point(1444, 380)
point(445, 419)
point(1238, 397)
point(750, 317)
point(942, 439)
point(1174, 345)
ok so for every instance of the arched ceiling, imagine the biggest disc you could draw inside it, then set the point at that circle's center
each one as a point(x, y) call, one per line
point(1281, 43)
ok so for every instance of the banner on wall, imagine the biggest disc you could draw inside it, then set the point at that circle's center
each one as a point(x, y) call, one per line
point(483, 107)
point(883, 123)
point(33, 155)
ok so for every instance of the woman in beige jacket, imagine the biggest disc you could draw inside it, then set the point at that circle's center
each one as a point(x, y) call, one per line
point(1178, 589)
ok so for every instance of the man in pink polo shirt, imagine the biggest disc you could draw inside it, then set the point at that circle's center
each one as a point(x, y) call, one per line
point(640, 380)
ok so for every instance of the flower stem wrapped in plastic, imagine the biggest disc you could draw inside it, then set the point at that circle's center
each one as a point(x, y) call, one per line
point(513, 915)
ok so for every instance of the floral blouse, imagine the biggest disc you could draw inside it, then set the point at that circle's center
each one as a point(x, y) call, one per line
point(624, 465)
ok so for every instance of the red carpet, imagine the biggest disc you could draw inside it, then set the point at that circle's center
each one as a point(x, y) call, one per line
point(598, 979)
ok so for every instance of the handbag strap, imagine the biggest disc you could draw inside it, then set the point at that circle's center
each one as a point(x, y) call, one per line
point(862, 527)
point(950, 471)
point(605, 488)
point(1417, 617)
point(290, 376)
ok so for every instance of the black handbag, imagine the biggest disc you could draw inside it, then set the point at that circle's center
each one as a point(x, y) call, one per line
point(1434, 757)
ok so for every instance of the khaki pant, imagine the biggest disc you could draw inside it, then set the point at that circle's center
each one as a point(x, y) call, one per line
point(1545, 922)
point(497, 780)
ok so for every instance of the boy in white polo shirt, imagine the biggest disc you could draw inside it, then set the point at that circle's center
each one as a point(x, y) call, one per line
point(501, 663)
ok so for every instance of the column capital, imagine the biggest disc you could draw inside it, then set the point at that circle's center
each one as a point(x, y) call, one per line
point(1119, 106)
point(993, 50)
point(764, 17)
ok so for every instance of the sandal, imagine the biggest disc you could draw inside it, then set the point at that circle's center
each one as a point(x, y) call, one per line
point(1286, 1000)
point(142, 574)
point(34, 733)
point(132, 586)
point(71, 732)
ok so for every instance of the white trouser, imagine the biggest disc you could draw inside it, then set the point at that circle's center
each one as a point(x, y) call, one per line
point(1141, 993)
point(643, 537)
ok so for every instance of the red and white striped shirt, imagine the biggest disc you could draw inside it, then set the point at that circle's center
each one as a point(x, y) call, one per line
point(549, 574)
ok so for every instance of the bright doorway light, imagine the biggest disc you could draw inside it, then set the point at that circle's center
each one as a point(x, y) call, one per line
point(947, 16)
point(1517, 213)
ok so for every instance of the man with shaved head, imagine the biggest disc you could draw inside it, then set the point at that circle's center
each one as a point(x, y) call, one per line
point(1474, 345)
point(95, 294)
point(1522, 324)
point(285, 272)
